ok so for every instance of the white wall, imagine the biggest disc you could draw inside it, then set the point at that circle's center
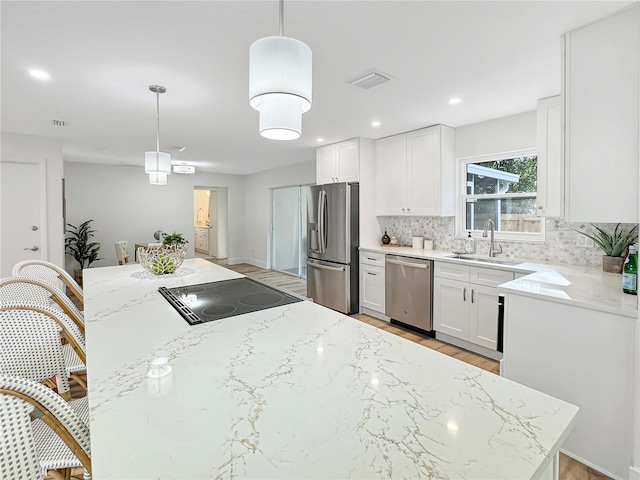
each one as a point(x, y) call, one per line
point(258, 205)
point(285, 216)
point(23, 148)
point(505, 134)
point(126, 207)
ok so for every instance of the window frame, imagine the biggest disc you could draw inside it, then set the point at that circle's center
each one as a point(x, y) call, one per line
point(461, 231)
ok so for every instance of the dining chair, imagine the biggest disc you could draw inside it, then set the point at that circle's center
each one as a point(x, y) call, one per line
point(33, 290)
point(18, 452)
point(73, 351)
point(60, 436)
point(122, 252)
point(32, 348)
point(48, 272)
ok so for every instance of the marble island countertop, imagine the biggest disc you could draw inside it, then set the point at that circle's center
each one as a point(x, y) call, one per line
point(582, 286)
point(297, 391)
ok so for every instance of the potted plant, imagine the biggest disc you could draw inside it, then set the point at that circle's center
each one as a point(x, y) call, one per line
point(79, 245)
point(615, 246)
point(173, 239)
point(165, 259)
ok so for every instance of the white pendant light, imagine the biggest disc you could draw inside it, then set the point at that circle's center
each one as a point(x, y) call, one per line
point(280, 83)
point(157, 162)
point(158, 178)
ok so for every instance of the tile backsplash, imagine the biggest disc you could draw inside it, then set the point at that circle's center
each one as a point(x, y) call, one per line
point(559, 246)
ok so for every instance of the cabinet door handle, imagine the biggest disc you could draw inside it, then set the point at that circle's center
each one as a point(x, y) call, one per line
point(464, 294)
point(472, 295)
point(369, 258)
point(370, 273)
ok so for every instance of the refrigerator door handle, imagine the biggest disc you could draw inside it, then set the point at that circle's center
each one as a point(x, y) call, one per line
point(325, 221)
point(325, 267)
point(320, 222)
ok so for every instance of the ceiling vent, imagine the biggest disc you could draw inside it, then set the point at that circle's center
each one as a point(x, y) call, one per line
point(177, 148)
point(59, 123)
point(370, 79)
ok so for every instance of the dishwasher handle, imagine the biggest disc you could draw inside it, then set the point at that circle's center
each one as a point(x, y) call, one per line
point(409, 264)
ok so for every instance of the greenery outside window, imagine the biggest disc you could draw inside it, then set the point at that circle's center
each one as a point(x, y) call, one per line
point(502, 188)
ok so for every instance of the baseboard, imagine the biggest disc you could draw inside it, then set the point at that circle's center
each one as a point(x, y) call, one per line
point(373, 313)
point(250, 261)
point(634, 473)
point(235, 261)
point(256, 263)
point(594, 467)
point(472, 347)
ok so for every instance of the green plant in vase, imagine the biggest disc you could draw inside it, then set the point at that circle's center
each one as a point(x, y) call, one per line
point(79, 245)
point(614, 245)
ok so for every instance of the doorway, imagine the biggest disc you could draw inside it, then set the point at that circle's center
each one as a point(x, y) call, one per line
point(289, 230)
point(24, 222)
point(210, 222)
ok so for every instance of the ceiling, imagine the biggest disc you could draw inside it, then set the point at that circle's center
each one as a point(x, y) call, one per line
point(498, 57)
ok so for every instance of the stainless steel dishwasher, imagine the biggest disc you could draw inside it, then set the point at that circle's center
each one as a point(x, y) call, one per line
point(408, 291)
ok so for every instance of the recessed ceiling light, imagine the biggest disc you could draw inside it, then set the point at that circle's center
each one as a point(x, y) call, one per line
point(454, 101)
point(319, 139)
point(40, 74)
point(375, 124)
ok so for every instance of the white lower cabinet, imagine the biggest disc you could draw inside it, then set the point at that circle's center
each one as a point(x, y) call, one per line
point(372, 281)
point(467, 307)
point(201, 239)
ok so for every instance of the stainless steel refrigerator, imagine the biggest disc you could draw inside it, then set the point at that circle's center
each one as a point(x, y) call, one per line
point(332, 246)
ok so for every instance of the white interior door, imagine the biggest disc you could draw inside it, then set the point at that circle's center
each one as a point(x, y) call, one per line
point(213, 222)
point(23, 234)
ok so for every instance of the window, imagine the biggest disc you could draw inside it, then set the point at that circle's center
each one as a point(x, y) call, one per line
point(503, 189)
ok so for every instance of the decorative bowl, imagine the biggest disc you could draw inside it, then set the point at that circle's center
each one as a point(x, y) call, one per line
point(162, 260)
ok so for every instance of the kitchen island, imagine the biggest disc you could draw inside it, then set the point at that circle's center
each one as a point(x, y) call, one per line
point(297, 391)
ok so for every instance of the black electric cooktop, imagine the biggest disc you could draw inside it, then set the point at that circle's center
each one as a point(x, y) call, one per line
point(207, 302)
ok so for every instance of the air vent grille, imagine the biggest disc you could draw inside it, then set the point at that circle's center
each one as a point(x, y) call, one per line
point(177, 148)
point(370, 79)
point(59, 123)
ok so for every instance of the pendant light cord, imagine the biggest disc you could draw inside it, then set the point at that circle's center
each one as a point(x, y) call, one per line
point(158, 126)
point(282, 18)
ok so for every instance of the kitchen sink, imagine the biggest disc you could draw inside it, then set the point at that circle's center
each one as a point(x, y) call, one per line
point(499, 261)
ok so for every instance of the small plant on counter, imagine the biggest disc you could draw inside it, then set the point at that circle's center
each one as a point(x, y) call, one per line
point(615, 245)
point(173, 239)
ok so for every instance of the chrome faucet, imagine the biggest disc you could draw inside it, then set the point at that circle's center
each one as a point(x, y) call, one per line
point(490, 224)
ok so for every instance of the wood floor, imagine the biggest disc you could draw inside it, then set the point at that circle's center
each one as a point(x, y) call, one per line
point(570, 469)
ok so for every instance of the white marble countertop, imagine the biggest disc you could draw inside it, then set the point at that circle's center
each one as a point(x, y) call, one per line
point(587, 287)
point(297, 391)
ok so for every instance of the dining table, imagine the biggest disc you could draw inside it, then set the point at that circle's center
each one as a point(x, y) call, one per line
point(297, 391)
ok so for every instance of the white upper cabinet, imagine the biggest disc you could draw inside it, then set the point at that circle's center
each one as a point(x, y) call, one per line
point(601, 120)
point(338, 162)
point(550, 196)
point(415, 173)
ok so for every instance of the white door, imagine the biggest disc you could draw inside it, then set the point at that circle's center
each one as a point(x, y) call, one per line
point(423, 172)
point(483, 320)
point(451, 307)
point(326, 164)
point(347, 161)
point(391, 175)
point(23, 234)
point(213, 222)
point(372, 287)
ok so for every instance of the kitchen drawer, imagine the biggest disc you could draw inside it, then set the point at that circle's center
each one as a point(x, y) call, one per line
point(451, 270)
point(489, 276)
point(369, 258)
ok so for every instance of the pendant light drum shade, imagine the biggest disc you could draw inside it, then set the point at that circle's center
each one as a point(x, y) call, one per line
point(280, 85)
point(158, 178)
point(157, 162)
